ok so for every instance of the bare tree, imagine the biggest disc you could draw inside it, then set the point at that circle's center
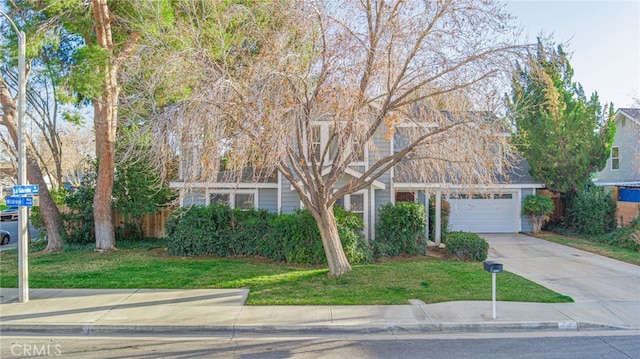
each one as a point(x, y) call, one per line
point(49, 209)
point(344, 75)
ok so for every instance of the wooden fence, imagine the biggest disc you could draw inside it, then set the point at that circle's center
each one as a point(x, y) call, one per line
point(558, 210)
point(153, 225)
point(626, 212)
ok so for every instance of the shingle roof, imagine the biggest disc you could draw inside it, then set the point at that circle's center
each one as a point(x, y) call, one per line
point(633, 113)
point(516, 173)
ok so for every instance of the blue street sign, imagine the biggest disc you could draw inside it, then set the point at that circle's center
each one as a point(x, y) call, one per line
point(19, 201)
point(28, 189)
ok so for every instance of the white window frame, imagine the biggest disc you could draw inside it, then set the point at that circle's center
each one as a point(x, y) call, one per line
point(365, 208)
point(324, 141)
point(615, 158)
point(232, 196)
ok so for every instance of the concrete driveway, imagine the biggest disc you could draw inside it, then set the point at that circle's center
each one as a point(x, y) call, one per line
point(583, 276)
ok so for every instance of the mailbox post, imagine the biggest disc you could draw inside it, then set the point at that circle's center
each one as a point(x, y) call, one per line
point(493, 268)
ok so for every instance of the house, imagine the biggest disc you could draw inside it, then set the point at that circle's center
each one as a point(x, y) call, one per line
point(475, 208)
point(622, 171)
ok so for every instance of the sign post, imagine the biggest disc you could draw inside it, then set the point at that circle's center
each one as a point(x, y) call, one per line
point(493, 268)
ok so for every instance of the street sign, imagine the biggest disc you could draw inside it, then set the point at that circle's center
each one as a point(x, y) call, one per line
point(19, 201)
point(28, 189)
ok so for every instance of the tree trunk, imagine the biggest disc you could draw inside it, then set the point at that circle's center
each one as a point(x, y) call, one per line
point(105, 122)
point(48, 208)
point(536, 220)
point(337, 260)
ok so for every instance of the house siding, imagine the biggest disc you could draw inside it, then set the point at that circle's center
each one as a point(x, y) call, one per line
point(525, 222)
point(383, 148)
point(268, 199)
point(627, 139)
point(290, 198)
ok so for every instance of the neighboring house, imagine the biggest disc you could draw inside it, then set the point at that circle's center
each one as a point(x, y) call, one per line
point(480, 208)
point(622, 171)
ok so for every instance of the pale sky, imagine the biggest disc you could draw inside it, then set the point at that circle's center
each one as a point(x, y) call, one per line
point(603, 37)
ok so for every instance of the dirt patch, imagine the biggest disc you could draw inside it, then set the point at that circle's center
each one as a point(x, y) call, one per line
point(436, 252)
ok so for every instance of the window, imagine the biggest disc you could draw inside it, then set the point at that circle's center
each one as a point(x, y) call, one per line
point(244, 200)
point(615, 158)
point(320, 136)
point(241, 199)
point(220, 198)
point(405, 196)
point(503, 196)
point(458, 196)
point(357, 205)
point(316, 141)
point(353, 202)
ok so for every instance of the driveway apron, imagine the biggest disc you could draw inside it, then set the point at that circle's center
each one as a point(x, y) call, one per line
point(584, 276)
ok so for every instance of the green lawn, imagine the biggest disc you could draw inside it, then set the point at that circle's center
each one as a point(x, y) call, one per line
point(621, 254)
point(394, 282)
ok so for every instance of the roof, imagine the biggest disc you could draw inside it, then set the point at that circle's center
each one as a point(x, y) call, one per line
point(516, 174)
point(631, 113)
point(617, 183)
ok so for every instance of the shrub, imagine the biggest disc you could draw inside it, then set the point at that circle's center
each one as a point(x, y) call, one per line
point(537, 207)
point(591, 212)
point(78, 220)
point(466, 246)
point(350, 228)
point(248, 228)
point(293, 238)
point(199, 231)
point(400, 230)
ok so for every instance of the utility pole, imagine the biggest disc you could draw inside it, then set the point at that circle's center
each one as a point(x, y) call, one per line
point(23, 235)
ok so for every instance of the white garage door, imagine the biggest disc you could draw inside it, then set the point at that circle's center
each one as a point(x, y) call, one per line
point(484, 213)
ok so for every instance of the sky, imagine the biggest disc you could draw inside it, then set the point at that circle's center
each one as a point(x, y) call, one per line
point(602, 36)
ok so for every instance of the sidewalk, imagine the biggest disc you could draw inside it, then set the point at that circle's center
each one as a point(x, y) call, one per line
point(222, 312)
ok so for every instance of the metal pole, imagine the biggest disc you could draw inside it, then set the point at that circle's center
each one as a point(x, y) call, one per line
point(23, 221)
point(493, 289)
point(23, 235)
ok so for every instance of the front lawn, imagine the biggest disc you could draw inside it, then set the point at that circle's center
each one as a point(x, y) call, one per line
point(392, 282)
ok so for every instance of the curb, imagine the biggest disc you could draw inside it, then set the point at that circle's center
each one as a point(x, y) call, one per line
point(233, 330)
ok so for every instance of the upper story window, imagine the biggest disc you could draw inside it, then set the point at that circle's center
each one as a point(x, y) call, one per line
point(615, 158)
point(321, 135)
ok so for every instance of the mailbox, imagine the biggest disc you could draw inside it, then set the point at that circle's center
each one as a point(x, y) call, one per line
point(492, 267)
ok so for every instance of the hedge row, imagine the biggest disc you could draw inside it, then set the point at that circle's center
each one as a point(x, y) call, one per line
point(294, 238)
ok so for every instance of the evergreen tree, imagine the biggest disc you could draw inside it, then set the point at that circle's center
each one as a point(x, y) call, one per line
point(564, 135)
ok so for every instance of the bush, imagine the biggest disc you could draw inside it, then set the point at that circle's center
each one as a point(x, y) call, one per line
point(350, 228)
point(537, 207)
point(625, 237)
point(78, 220)
point(293, 238)
point(400, 230)
point(199, 231)
point(248, 228)
point(591, 212)
point(466, 246)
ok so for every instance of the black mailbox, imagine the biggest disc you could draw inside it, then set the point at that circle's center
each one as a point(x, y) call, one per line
point(492, 267)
